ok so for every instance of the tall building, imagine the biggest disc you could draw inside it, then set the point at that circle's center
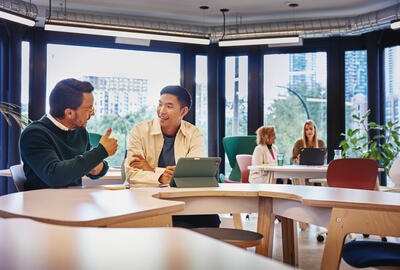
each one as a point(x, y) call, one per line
point(392, 83)
point(356, 84)
point(116, 95)
point(302, 69)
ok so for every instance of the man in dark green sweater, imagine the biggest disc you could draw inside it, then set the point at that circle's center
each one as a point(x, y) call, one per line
point(55, 150)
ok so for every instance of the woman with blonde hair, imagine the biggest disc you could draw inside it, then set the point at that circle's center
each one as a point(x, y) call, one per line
point(309, 140)
point(264, 153)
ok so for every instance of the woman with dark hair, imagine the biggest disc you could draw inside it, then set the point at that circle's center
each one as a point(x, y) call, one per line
point(264, 153)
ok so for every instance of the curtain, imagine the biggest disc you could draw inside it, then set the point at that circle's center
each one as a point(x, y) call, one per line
point(10, 91)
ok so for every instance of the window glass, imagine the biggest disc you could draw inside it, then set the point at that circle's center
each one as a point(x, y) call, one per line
point(127, 84)
point(294, 86)
point(25, 78)
point(392, 83)
point(356, 86)
point(201, 98)
point(236, 93)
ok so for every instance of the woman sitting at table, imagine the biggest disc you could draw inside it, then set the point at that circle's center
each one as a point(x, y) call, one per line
point(264, 153)
point(309, 140)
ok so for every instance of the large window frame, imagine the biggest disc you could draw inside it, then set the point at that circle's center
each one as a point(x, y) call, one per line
point(334, 47)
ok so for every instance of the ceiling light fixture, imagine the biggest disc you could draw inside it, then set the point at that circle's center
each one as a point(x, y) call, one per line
point(266, 40)
point(120, 31)
point(395, 24)
point(15, 17)
point(259, 41)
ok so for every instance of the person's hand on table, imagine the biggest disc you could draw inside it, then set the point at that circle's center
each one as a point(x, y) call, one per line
point(166, 177)
point(138, 162)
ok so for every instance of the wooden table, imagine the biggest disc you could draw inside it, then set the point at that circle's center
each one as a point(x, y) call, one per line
point(341, 210)
point(294, 171)
point(26, 244)
point(91, 207)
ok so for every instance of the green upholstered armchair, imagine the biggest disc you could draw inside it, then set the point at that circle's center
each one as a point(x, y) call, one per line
point(233, 146)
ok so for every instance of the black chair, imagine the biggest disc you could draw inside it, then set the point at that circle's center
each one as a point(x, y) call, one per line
point(371, 254)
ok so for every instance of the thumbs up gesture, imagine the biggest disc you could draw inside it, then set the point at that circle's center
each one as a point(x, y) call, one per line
point(110, 144)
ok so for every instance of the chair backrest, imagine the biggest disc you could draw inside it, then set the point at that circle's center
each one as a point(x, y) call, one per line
point(123, 175)
point(18, 176)
point(238, 145)
point(394, 172)
point(357, 173)
point(244, 161)
point(94, 139)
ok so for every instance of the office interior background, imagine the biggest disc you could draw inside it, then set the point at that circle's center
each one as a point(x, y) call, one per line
point(348, 62)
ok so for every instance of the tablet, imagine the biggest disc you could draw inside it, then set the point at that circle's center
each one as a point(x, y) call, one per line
point(196, 172)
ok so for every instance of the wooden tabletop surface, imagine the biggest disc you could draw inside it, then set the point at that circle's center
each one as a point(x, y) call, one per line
point(26, 244)
point(86, 206)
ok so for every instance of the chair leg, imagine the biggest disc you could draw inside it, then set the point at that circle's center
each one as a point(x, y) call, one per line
point(237, 221)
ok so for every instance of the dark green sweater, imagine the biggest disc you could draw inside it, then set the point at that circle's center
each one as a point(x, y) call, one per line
point(54, 158)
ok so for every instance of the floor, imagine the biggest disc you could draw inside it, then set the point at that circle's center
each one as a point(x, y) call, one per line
point(310, 250)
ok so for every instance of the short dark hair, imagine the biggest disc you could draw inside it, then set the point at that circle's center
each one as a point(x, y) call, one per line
point(184, 97)
point(67, 94)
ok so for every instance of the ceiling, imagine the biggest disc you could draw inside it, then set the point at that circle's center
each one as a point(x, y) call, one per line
point(254, 11)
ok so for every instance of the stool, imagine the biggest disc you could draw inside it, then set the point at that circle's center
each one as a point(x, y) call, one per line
point(239, 238)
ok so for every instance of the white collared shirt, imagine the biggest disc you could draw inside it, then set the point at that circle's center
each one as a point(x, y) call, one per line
point(55, 122)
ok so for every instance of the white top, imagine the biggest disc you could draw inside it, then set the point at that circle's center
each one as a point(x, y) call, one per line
point(56, 123)
point(262, 155)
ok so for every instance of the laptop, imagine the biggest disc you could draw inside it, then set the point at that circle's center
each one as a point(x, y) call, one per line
point(312, 156)
point(196, 172)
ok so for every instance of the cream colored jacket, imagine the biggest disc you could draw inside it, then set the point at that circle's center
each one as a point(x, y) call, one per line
point(147, 139)
point(262, 155)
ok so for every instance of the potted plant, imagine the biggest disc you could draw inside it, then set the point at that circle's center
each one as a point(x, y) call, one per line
point(9, 110)
point(359, 144)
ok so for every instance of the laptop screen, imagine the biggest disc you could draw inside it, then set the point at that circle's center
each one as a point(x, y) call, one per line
point(312, 156)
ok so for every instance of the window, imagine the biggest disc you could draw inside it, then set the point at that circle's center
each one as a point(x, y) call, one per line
point(127, 84)
point(25, 79)
point(392, 83)
point(294, 86)
point(201, 98)
point(356, 85)
point(236, 93)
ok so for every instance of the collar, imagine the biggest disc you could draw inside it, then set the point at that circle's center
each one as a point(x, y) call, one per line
point(156, 128)
point(56, 123)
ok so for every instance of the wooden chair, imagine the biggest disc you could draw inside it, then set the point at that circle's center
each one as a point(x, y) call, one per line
point(18, 176)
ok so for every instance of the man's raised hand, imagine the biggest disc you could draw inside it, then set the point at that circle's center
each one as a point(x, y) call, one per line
point(110, 144)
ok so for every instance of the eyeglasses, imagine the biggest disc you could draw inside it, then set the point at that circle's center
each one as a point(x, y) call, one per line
point(90, 110)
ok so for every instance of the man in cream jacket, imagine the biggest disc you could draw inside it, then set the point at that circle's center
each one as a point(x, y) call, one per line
point(155, 147)
point(147, 149)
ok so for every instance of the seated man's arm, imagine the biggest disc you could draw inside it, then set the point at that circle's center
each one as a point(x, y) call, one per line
point(135, 175)
point(40, 154)
point(196, 145)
